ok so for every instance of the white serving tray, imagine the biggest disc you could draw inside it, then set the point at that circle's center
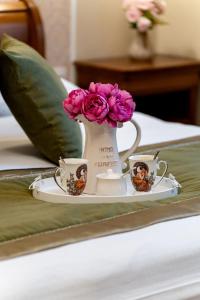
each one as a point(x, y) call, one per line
point(47, 190)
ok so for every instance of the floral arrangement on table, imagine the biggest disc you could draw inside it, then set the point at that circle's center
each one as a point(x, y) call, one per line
point(144, 14)
point(103, 103)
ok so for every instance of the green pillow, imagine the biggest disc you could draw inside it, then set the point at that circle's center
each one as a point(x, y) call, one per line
point(34, 94)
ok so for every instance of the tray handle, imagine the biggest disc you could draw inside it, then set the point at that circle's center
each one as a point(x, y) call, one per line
point(35, 184)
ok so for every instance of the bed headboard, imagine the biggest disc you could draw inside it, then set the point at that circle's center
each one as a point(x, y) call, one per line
point(21, 19)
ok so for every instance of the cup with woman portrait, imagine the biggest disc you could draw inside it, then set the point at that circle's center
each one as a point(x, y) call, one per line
point(71, 175)
point(143, 171)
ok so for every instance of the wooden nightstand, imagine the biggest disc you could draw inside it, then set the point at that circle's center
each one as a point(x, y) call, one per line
point(166, 87)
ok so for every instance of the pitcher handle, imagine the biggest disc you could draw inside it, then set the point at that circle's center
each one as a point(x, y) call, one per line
point(130, 151)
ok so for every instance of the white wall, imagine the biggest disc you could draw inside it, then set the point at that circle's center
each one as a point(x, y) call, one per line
point(101, 29)
point(182, 35)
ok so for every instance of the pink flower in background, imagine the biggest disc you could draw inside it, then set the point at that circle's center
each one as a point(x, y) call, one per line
point(144, 24)
point(159, 6)
point(144, 14)
point(95, 107)
point(133, 14)
point(121, 106)
point(103, 103)
point(144, 4)
point(73, 103)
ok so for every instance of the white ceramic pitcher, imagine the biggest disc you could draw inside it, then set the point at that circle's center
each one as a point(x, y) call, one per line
point(101, 150)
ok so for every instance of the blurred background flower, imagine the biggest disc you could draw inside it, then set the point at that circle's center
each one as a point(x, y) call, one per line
point(144, 14)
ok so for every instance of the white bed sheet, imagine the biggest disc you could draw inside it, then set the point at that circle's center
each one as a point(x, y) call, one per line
point(156, 263)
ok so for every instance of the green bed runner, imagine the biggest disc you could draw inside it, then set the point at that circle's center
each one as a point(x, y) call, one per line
point(28, 225)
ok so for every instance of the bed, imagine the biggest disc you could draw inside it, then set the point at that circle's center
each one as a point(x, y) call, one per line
point(160, 261)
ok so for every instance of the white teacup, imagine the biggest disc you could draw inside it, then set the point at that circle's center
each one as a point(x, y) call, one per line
point(71, 175)
point(143, 171)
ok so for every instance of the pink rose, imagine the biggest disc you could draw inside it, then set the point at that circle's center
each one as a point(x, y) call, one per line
point(144, 4)
point(73, 103)
point(121, 106)
point(102, 103)
point(110, 122)
point(143, 24)
point(133, 14)
point(159, 7)
point(95, 108)
point(102, 89)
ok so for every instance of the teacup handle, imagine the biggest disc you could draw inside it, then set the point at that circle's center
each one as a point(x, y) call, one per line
point(164, 172)
point(55, 178)
point(130, 151)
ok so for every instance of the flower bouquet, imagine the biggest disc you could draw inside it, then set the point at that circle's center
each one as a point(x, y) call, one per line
point(102, 108)
point(142, 16)
point(101, 103)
